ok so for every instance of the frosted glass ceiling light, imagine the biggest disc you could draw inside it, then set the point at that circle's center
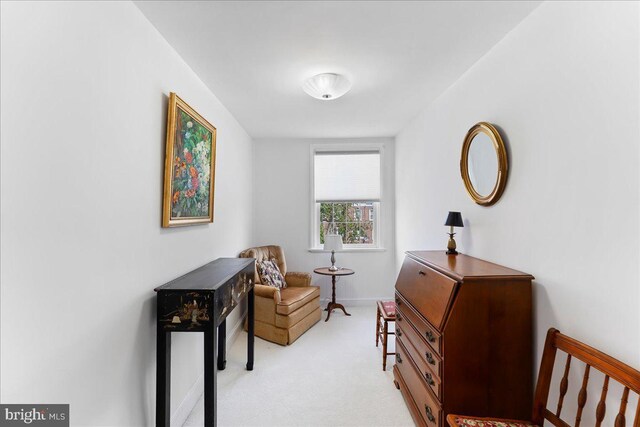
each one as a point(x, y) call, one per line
point(327, 86)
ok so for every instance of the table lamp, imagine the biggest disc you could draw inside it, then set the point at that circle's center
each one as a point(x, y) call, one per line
point(454, 219)
point(333, 243)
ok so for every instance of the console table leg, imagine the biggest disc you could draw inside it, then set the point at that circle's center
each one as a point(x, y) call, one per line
point(210, 401)
point(250, 328)
point(163, 378)
point(222, 345)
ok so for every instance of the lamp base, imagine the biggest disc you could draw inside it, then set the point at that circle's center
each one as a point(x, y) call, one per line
point(451, 245)
point(333, 262)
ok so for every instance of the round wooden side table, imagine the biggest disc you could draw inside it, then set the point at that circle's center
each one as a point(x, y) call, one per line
point(339, 272)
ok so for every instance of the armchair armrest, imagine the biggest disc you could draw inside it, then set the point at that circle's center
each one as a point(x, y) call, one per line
point(296, 280)
point(267, 292)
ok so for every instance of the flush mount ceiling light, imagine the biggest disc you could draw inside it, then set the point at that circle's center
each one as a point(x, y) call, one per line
point(327, 86)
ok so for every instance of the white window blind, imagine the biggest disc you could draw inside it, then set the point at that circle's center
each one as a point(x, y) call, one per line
point(347, 176)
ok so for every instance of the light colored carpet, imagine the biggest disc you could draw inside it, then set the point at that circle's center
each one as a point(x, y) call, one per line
point(331, 376)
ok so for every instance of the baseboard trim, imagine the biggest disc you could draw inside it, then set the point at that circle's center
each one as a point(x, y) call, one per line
point(188, 403)
point(235, 330)
point(357, 302)
point(193, 395)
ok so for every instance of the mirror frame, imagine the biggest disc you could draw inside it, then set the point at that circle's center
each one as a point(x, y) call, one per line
point(501, 152)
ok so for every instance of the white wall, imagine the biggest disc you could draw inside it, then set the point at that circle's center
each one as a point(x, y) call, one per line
point(84, 94)
point(563, 87)
point(282, 216)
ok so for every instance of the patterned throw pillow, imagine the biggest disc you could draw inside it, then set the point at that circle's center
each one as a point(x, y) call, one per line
point(270, 274)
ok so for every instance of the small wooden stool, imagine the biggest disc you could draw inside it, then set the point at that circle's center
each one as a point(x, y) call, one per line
point(386, 313)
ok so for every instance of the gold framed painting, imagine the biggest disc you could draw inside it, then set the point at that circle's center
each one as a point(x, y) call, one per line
point(189, 167)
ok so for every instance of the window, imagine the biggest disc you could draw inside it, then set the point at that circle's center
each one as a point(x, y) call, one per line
point(348, 221)
point(346, 193)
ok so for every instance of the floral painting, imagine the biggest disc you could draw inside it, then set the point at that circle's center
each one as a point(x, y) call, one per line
point(189, 166)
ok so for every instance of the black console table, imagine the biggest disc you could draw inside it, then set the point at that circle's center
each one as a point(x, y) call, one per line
point(200, 301)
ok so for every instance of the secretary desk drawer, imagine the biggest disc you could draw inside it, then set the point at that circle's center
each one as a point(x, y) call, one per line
point(419, 349)
point(429, 291)
point(428, 406)
point(428, 372)
point(406, 314)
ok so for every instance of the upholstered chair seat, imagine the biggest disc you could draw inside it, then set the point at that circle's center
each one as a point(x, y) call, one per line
point(282, 315)
point(485, 422)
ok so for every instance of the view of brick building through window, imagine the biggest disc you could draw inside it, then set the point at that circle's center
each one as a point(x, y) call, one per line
point(354, 221)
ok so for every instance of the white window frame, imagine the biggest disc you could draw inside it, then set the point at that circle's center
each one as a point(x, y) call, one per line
point(314, 235)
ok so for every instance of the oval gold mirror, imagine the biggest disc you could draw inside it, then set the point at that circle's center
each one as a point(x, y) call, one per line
point(483, 164)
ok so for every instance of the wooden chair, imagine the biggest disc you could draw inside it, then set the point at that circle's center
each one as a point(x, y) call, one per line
point(386, 313)
point(610, 367)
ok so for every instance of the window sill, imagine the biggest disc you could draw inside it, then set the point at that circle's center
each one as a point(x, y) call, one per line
point(318, 250)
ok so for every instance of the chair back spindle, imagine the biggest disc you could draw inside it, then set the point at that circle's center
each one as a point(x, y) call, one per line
point(601, 409)
point(582, 395)
point(564, 385)
point(620, 418)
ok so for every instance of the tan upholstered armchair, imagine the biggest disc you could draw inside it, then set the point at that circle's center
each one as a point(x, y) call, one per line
point(282, 315)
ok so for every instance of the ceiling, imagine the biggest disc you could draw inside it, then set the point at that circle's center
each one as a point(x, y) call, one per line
point(400, 56)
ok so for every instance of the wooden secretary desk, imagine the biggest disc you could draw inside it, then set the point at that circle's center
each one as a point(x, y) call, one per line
point(463, 338)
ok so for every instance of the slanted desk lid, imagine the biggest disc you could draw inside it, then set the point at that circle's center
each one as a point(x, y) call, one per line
point(461, 266)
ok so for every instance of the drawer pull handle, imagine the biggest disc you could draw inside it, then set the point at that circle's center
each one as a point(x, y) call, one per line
point(430, 416)
point(422, 273)
point(430, 336)
point(399, 333)
point(430, 358)
point(398, 318)
point(398, 358)
point(398, 302)
point(429, 379)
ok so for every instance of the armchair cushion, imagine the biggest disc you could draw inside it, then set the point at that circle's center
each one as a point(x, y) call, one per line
point(295, 297)
point(270, 274)
point(290, 320)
